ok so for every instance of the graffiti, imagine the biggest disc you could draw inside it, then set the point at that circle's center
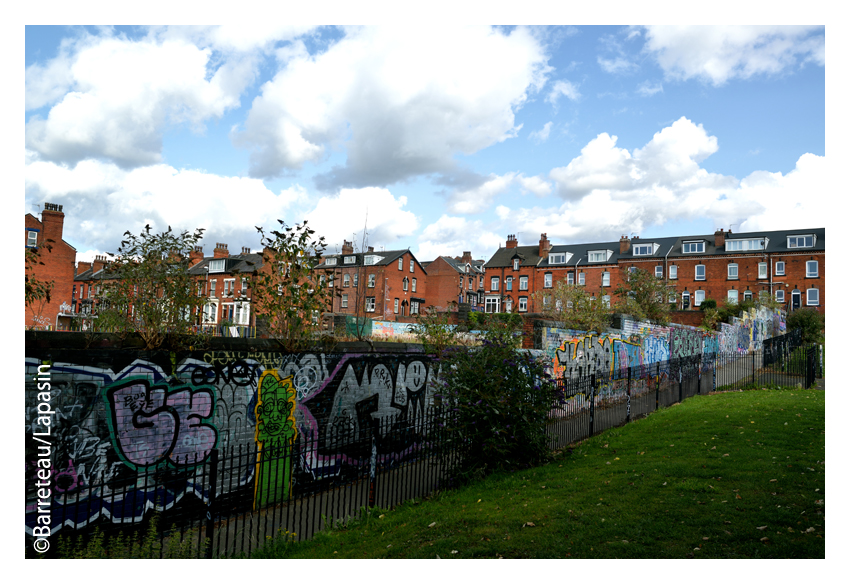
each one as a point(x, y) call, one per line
point(275, 433)
point(266, 359)
point(152, 424)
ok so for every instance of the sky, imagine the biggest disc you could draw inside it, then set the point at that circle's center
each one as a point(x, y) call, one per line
point(439, 138)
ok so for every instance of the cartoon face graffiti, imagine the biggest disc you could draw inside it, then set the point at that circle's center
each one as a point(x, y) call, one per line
point(274, 411)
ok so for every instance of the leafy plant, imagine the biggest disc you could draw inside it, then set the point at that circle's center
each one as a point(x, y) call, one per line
point(574, 308)
point(36, 292)
point(645, 297)
point(289, 298)
point(811, 321)
point(148, 290)
point(434, 331)
point(497, 398)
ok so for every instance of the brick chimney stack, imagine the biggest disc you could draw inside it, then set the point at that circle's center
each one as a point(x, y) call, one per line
point(246, 249)
point(196, 255)
point(347, 247)
point(53, 220)
point(625, 244)
point(720, 238)
point(370, 249)
point(82, 267)
point(467, 257)
point(220, 251)
point(511, 241)
point(543, 246)
point(99, 263)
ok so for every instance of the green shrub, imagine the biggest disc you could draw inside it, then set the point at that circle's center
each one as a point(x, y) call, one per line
point(498, 397)
point(810, 320)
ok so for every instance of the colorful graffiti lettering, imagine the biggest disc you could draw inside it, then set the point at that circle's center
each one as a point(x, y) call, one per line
point(275, 434)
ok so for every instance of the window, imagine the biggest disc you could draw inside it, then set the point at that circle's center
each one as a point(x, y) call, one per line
point(414, 307)
point(557, 258)
point(780, 268)
point(643, 249)
point(494, 283)
point(547, 280)
point(216, 266)
point(581, 278)
point(780, 295)
point(370, 260)
point(491, 304)
point(509, 283)
point(395, 306)
point(606, 278)
point(330, 262)
point(597, 256)
point(747, 295)
point(481, 281)
point(801, 241)
point(355, 278)
point(411, 271)
point(404, 284)
point(349, 259)
point(516, 264)
point(571, 278)
point(812, 297)
point(212, 288)
point(606, 300)
point(32, 238)
point(413, 285)
point(346, 280)
point(244, 286)
point(344, 301)
point(745, 244)
point(523, 282)
point(674, 271)
point(331, 281)
point(693, 247)
point(471, 280)
point(699, 296)
point(732, 271)
point(371, 282)
point(732, 296)
point(210, 312)
point(659, 272)
point(700, 272)
point(812, 269)
point(523, 303)
point(400, 264)
point(546, 301)
point(370, 304)
point(762, 269)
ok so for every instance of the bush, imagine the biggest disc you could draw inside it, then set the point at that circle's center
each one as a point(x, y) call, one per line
point(708, 303)
point(497, 398)
point(810, 320)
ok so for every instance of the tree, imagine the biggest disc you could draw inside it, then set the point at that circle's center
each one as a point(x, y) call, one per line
point(288, 296)
point(148, 290)
point(645, 297)
point(811, 321)
point(573, 308)
point(36, 292)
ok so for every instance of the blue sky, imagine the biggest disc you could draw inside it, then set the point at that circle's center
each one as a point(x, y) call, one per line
point(438, 138)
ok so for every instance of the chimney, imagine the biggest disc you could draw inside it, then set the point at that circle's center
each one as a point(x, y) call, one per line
point(511, 241)
point(370, 249)
point(720, 238)
point(467, 257)
point(625, 244)
point(196, 255)
point(99, 263)
point(53, 220)
point(82, 267)
point(221, 251)
point(347, 247)
point(246, 250)
point(543, 247)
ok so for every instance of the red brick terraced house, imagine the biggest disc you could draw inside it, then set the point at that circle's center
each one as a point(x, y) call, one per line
point(384, 285)
point(57, 266)
point(788, 264)
point(455, 280)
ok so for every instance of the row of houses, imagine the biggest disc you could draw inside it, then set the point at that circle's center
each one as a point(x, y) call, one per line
point(397, 286)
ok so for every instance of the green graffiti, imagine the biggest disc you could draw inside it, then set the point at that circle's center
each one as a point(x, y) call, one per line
point(275, 433)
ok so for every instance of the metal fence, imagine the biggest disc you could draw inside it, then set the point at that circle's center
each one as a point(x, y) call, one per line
point(235, 500)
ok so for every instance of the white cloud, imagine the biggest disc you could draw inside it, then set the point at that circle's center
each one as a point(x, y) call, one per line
point(401, 103)
point(242, 37)
point(563, 88)
point(450, 236)
point(717, 54)
point(101, 201)
point(343, 216)
point(648, 89)
point(112, 97)
point(617, 65)
point(535, 185)
point(479, 199)
point(542, 134)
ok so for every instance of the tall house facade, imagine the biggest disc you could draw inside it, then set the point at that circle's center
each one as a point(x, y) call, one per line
point(56, 264)
point(455, 280)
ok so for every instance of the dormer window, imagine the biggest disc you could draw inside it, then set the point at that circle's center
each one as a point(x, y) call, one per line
point(216, 266)
point(330, 262)
point(801, 241)
point(557, 258)
point(370, 260)
point(644, 249)
point(516, 263)
point(693, 247)
point(349, 259)
point(746, 244)
point(598, 255)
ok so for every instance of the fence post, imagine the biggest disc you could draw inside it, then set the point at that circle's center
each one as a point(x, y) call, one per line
point(210, 524)
point(754, 367)
point(629, 395)
point(592, 401)
point(373, 470)
point(680, 378)
point(657, 381)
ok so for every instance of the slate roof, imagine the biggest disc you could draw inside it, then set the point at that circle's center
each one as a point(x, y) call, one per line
point(243, 263)
point(387, 258)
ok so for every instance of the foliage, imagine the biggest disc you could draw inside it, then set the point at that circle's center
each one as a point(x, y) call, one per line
point(35, 290)
point(504, 326)
point(811, 321)
point(148, 545)
point(645, 297)
point(573, 307)
point(288, 296)
point(434, 331)
point(707, 304)
point(147, 288)
point(498, 398)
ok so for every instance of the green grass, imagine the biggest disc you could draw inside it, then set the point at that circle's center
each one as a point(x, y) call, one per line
point(736, 475)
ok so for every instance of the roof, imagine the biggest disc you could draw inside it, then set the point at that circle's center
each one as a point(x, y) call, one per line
point(386, 258)
point(243, 263)
point(459, 265)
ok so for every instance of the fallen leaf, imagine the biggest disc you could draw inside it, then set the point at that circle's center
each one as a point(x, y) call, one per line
point(762, 528)
point(772, 480)
point(809, 530)
point(438, 557)
point(625, 541)
point(705, 539)
point(819, 502)
point(433, 524)
point(763, 539)
point(454, 551)
point(528, 524)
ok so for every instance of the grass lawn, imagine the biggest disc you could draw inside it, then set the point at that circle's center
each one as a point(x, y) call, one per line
point(730, 475)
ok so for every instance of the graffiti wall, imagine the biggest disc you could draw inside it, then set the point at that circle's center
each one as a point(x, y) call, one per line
point(120, 415)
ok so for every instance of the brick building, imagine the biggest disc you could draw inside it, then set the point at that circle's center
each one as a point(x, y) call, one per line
point(385, 285)
point(454, 281)
point(789, 265)
point(57, 266)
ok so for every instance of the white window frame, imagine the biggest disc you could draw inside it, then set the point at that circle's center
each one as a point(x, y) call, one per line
point(659, 272)
point(757, 244)
point(793, 241)
point(693, 247)
point(557, 258)
point(780, 268)
point(571, 280)
point(762, 270)
point(400, 264)
point(597, 256)
point(606, 279)
point(643, 249)
point(346, 280)
point(395, 306)
point(523, 304)
point(413, 285)
point(509, 304)
point(809, 272)
point(414, 307)
point(732, 271)
point(349, 259)
point(229, 286)
point(606, 300)
point(697, 271)
point(370, 304)
point(371, 260)
point(732, 296)
point(216, 266)
point(516, 264)
point(581, 278)
point(404, 282)
point(32, 238)
point(509, 283)
point(699, 296)
point(371, 281)
point(523, 282)
point(210, 313)
point(780, 296)
point(812, 296)
point(748, 295)
point(330, 262)
point(412, 264)
point(244, 290)
point(343, 303)
point(491, 302)
point(494, 283)
point(355, 279)
point(673, 272)
point(212, 288)
point(547, 280)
